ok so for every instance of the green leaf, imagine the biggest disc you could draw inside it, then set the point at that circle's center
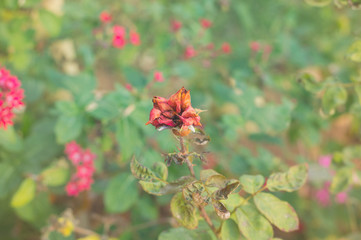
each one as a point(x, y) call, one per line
point(50, 21)
point(8, 179)
point(24, 194)
point(121, 193)
point(230, 230)
point(288, 181)
point(10, 140)
point(358, 92)
point(232, 202)
point(37, 211)
point(195, 192)
point(180, 233)
point(220, 209)
point(55, 176)
point(252, 224)
point(161, 170)
point(212, 178)
point(128, 137)
point(251, 183)
point(184, 212)
point(68, 128)
point(223, 193)
point(278, 212)
point(341, 180)
point(154, 188)
point(318, 3)
point(354, 51)
point(309, 82)
point(333, 97)
point(141, 172)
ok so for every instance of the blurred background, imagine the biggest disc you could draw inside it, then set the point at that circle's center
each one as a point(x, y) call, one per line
point(279, 81)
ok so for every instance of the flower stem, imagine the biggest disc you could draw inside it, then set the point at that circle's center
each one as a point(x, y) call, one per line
point(191, 170)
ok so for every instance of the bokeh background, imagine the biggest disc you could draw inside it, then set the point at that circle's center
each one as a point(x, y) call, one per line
point(278, 80)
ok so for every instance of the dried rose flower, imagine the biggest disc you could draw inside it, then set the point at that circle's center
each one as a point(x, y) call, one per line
point(175, 112)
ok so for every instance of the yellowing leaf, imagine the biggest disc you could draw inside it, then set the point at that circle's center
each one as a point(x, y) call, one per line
point(24, 194)
point(278, 212)
point(183, 211)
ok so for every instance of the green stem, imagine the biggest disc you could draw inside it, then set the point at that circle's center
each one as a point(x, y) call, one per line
point(204, 214)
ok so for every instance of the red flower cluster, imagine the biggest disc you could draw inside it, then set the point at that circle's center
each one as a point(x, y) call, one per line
point(105, 17)
point(83, 161)
point(175, 112)
point(119, 37)
point(11, 97)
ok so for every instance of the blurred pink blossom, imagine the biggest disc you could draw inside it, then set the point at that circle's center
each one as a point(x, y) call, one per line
point(341, 197)
point(325, 161)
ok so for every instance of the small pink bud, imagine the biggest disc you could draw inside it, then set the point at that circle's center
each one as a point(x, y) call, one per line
point(176, 25)
point(205, 23)
point(325, 161)
point(158, 76)
point(341, 197)
point(255, 46)
point(134, 38)
point(129, 87)
point(105, 17)
point(189, 52)
point(226, 48)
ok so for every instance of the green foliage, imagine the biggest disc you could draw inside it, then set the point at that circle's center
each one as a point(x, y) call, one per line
point(341, 180)
point(288, 181)
point(252, 224)
point(184, 212)
point(24, 194)
point(121, 193)
point(279, 213)
point(251, 184)
point(290, 100)
point(230, 230)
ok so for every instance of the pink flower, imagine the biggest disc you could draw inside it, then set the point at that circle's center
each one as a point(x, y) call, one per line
point(118, 41)
point(83, 160)
point(158, 76)
point(75, 157)
point(72, 189)
point(84, 183)
point(176, 25)
point(323, 195)
point(105, 17)
point(11, 97)
point(84, 171)
point(189, 52)
point(341, 197)
point(72, 147)
point(325, 161)
point(226, 48)
point(255, 46)
point(128, 86)
point(205, 23)
point(6, 116)
point(134, 38)
point(118, 30)
point(88, 157)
